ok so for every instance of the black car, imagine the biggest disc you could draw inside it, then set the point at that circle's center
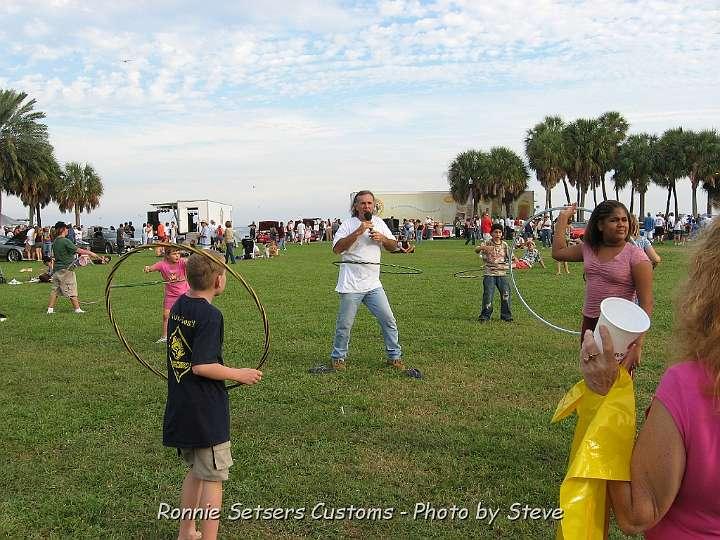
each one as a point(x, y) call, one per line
point(13, 247)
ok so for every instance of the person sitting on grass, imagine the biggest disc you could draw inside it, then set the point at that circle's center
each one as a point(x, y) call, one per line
point(530, 257)
point(271, 250)
point(497, 256)
point(197, 412)
point(404, 246)
point(172, 269)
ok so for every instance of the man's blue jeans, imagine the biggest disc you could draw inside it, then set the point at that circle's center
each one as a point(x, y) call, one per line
point(377, 302)
point(489, 284)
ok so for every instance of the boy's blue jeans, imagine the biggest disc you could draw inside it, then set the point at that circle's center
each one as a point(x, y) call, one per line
point(489, 284)
point(377, 302)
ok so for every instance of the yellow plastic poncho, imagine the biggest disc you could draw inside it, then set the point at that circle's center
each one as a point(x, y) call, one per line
point(601, 450)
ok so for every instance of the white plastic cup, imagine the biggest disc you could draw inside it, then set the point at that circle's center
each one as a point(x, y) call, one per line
point(625, 320)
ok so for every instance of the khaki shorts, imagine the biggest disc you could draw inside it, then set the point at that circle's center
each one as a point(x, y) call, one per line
point(210, 464)
point(64, 283)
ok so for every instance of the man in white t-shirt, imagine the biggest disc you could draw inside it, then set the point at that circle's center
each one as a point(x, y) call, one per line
point(360, 239)
point(301, 231)
point(205, 238)
point(30, 243)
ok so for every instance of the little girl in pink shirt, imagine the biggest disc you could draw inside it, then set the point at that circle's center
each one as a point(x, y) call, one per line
point(172, 270)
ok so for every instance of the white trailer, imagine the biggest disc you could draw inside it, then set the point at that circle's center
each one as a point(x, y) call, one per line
point(189, 214)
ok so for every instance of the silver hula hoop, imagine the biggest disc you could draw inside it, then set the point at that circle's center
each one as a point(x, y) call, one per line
point(517, 291)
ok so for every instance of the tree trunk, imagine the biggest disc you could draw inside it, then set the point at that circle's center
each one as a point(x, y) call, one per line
point(37, 213)
point(548, 198)
point(642, 203)
point(604, 191)
point(567, 191)
point(617, 195)
point(1, 205)
point(77, 215)
point(694, 186)
point(667, 204)
point(31, 214)
point(632, 198)
point(595, 194)
point(674, 187)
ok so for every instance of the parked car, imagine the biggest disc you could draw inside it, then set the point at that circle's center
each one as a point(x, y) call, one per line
point(104, 240)
point(13, 247)
point(263, 230)
point(577, 230)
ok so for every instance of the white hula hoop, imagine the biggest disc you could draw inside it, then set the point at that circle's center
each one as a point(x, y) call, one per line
point(517, 291)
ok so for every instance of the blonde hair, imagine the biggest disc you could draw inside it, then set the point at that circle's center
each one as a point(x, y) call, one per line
point(698, 306)
point(634, 226)
point(201, 271)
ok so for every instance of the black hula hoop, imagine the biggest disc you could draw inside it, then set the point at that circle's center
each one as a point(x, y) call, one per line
point(108, 303)
point(403, 270)
point(517, 291)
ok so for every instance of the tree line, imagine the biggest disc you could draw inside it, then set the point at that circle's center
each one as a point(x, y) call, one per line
point(28, 168)
point(586, 155)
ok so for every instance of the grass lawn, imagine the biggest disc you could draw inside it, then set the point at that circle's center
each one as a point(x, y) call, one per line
point(82, 420)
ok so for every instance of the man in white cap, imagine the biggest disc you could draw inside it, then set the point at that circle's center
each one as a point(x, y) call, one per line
point(205, 239)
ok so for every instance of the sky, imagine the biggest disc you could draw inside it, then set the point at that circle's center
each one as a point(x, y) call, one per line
point(282, 108)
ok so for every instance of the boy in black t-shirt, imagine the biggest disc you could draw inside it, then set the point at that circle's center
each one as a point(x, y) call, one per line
point(197, 412)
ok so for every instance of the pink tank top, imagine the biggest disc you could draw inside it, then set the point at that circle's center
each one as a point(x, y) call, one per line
point(174, 274)
point(685, 391)
point(612, 278)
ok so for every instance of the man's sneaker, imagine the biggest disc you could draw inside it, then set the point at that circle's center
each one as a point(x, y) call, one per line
point(162, 340)
point(397, 363)
point(78, 310)
point(338, 364)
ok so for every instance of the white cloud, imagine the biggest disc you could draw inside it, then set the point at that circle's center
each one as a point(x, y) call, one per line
point(322, 91)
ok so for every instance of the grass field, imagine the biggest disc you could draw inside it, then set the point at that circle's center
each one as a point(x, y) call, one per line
point(82, 420)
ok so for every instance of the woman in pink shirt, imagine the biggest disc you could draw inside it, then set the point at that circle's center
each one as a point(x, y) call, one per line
point(674, 486)
point(172, 270)
point(613, 265)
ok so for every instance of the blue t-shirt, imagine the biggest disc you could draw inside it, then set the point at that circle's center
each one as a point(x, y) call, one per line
point(649, 223)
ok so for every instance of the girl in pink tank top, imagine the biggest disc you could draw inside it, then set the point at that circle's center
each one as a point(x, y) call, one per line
point(613, 265)
point(172, 270)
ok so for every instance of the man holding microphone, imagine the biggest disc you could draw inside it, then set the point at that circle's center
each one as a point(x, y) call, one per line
point(359, 239)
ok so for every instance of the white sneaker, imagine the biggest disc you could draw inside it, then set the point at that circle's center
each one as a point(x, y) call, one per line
point(162, 340)
point(50, 311)
point(78, 310)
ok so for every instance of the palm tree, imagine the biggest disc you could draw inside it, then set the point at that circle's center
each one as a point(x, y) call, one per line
point(20, 130)
point(81, 189)
point(544, 148)
point(611, 132)
point(702, 151)
point(39, 182)
point(634, 165)
point(465, 176)
point(507, 176)
point(671, 162)
point(580, 139)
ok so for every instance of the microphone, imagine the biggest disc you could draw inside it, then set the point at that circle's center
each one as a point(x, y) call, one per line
point(368, 217)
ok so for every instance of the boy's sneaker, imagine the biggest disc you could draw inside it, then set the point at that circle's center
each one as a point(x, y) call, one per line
point(397, 363)
point(50, 311)
point(162, 340)
point(79, 310)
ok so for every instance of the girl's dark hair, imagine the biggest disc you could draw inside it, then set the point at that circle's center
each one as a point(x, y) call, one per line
point(602, 211)
point(353, 212)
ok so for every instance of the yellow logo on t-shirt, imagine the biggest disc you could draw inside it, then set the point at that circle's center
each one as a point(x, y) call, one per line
point(180, 352)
